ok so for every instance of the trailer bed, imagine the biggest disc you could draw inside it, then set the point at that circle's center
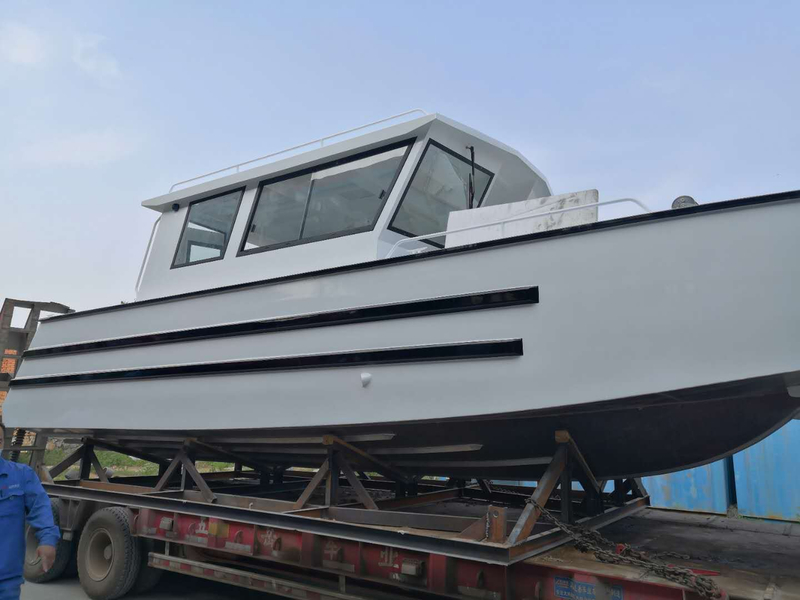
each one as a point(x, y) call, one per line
point(343, 532)
point(323, 552)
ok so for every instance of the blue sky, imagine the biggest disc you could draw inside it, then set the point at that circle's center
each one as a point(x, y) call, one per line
point(105, 104)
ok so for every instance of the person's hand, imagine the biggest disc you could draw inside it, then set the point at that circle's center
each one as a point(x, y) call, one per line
point(48, 556)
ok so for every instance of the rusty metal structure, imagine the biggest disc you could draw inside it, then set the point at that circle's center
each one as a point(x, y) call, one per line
point(361, 528)
point(424, 535)
point(14, 341)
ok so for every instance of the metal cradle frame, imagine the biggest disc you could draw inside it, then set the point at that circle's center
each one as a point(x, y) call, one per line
point(257, 499)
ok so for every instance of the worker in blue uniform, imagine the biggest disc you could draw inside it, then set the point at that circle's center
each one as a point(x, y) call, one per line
point(22, 498)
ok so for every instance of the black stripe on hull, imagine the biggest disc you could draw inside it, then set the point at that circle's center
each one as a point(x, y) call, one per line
point(384, 312)
point(412, 354)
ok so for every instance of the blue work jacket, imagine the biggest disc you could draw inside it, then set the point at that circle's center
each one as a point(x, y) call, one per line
point(22, 498)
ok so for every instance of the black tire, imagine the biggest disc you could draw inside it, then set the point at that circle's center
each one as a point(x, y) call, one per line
point(148, 576)
point(32, 570)
point(109, 557)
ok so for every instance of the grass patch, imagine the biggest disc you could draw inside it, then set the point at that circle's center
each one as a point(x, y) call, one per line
point(206, 466)
point(107, 458)
point(127, 466)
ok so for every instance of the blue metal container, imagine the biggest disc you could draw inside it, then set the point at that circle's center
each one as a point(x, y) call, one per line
point(702, 489)
point(768, 476)
point(766, 481)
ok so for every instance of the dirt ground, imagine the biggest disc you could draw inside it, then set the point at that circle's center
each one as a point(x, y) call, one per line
point(172, 586)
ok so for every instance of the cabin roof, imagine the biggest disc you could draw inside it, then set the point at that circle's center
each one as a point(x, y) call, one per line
point(414, 128)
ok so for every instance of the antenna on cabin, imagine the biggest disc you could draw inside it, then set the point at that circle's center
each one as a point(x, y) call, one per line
point(472, 177)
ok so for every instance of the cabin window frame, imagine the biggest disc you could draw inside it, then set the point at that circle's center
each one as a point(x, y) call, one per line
point(241, 190)
point(407, 143)
point(440, 146)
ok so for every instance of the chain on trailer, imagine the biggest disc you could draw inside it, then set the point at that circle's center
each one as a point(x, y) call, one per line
point(589, 540)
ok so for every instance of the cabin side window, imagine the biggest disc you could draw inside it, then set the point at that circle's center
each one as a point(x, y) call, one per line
point(207, 229)
point(332, 200)
point(439, 185)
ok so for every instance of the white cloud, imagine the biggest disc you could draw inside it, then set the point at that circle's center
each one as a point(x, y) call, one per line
point(87, 54)
point(86, 149)
point(21, 45)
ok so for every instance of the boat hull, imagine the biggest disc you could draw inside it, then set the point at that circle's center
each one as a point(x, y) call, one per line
point(628, 437)
point(636, 335)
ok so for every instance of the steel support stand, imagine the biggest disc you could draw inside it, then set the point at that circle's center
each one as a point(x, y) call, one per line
point(229, 456)
point(637, 488)
point(98, 468)
point(364, 459)
point(86, 461)
point(66, 463)
point(189, 473)
point(491, 527)
point(332, 482)
point(623, 486)
point(566, 491)
point(618, 495)
point(312, 486)
point(357, 486)
point(559, 470)
point(122, 449)
point(340, 455)
point(277, 474)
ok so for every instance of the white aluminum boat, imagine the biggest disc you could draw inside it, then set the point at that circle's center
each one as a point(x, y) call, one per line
point(419, 289)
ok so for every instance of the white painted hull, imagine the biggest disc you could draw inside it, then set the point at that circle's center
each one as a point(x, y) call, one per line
point(626, 313)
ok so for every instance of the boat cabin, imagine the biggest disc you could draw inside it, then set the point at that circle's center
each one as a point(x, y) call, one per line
point(343, 203)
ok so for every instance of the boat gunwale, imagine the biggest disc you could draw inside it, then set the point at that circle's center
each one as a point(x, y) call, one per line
point(700, 209)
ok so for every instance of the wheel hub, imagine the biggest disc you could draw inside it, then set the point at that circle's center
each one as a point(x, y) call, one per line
point(100, 556)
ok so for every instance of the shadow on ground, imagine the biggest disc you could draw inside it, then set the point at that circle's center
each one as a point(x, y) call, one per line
point(172, 586)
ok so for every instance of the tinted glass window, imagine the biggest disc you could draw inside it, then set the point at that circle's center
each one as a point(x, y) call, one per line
point(440, 184)
point(329, 202)
point(208, 228)
point(279, 214)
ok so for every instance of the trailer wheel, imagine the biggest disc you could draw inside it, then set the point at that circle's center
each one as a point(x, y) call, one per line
point(32, 570)
point(109, 557)
point(148, 576)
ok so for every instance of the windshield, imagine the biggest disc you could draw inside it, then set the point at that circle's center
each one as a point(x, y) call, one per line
point(439, 185)
point(332, 201)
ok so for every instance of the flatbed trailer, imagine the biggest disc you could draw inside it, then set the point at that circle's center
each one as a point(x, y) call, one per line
point(304, 534)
